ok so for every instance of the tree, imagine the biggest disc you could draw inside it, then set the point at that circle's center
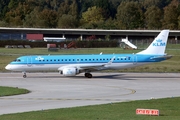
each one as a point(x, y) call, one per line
point(130, 15)
point(158, 3)
point(3, 8)
point(67, 21)
point(49, 18)
point(171, 14)
point(32, 19)
point(153, 17)
point(84, 5)
point(64, 8)
point(74, 11)
point(104, 5)
point(92, 16)
point(16, 16)
point(179, 22)
point(108, 24)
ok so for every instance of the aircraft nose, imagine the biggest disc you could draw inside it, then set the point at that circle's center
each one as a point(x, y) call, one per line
point(8, 67)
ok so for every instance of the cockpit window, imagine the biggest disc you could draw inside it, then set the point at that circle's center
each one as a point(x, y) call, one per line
point(17, 60)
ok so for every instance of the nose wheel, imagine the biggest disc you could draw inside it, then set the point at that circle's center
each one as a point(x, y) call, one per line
point(24, 76)
point(88, 75)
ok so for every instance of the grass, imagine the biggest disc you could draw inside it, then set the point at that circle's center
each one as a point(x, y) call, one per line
point(37, 51)
point(9, 91)
point(169, 110)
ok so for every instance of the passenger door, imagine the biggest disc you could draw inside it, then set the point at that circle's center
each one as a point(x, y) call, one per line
point(29, 61)
point(134, 59)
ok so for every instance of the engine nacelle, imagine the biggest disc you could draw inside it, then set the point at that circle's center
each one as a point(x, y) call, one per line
point(70, 71)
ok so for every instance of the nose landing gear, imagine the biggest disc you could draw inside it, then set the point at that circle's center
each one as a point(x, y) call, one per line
point(24, 76)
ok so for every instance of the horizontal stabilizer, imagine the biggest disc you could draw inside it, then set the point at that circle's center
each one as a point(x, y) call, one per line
point(159, 57)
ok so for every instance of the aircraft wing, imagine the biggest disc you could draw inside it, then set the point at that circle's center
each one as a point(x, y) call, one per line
point(85, 67)
point(98, 66)
point(90, 67)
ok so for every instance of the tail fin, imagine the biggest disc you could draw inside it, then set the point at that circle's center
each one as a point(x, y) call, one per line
point(158, 46)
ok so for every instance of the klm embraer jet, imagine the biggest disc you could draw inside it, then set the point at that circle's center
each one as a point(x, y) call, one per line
point(71, 65)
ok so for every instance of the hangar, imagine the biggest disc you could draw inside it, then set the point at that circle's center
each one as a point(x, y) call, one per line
point(82, 34)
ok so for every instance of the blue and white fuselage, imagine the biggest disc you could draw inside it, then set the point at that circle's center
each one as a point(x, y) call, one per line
point(71, 65)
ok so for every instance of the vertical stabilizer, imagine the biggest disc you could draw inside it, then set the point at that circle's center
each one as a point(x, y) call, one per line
point(158, 46)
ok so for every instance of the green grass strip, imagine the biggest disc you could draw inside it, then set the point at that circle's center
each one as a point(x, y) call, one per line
point(169, 110)
point(8, 91)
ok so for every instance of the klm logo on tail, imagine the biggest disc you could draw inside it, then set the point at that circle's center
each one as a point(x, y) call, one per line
point(159, 43)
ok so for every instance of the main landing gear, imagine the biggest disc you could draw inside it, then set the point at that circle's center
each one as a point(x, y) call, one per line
point(24, 76)
point(88, 75)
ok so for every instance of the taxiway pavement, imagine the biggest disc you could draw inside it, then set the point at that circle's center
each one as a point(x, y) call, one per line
point(51, 90)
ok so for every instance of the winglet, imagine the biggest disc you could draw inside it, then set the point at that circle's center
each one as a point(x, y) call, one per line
point(158, 46)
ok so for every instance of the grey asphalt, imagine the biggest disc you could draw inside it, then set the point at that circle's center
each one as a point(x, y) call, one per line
point(51, 90)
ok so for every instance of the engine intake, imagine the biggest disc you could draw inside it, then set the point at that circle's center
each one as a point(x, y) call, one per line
point(70, 71)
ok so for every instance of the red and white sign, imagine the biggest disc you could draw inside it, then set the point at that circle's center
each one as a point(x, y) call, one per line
point(147, 112)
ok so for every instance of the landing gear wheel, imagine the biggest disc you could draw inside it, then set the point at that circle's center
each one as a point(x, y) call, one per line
point(24, 76)
point(85, 74)
point(88, 75)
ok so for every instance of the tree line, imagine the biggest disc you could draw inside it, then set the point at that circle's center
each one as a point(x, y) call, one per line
point(88, 14)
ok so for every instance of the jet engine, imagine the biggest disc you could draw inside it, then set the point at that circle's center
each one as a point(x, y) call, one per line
point(70, 71)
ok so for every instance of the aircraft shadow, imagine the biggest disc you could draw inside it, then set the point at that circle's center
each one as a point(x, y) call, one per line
point(112, 76)
point(116, 76)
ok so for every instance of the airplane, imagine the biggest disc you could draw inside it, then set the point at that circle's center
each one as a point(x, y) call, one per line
point(72, 65)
